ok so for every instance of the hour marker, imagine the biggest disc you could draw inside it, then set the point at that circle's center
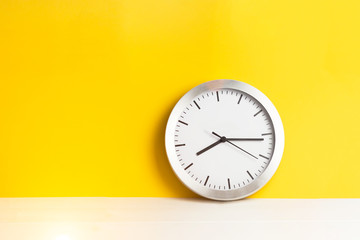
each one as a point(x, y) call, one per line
point(183, 122)
point(249, 175)
point(264, 134)
point(217, 95)
point(189, 166)
point(263, 156)
point(206, 181)
point(229, 183)
point(258, 113)
point(240, 98)
point(179, 145)
point(196, 104)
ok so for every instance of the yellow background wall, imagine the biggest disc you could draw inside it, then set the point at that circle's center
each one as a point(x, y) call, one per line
point(86, 88)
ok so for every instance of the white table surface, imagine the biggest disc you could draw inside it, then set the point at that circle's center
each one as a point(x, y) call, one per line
point(177, 218)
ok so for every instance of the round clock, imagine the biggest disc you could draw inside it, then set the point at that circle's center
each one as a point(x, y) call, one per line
point(224, 139)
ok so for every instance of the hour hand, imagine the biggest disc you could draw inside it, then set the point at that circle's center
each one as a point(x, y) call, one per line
point(209, 147)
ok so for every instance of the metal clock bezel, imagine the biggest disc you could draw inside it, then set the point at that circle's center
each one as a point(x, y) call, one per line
point(259, 182)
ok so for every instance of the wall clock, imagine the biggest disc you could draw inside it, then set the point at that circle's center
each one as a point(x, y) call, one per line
point(224, 139)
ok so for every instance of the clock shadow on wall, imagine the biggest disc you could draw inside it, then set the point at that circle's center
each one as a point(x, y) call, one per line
point(173, 184)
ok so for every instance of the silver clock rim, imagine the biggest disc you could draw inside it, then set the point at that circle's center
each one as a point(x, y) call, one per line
point(260, 181)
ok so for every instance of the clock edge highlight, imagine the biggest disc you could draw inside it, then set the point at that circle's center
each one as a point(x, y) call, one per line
point(279, 140)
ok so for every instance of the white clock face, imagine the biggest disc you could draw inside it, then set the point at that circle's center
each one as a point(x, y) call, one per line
point(240, 156)
point(224, 139)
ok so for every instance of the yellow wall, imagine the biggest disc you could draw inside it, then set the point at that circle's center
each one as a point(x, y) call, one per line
point(86, 88)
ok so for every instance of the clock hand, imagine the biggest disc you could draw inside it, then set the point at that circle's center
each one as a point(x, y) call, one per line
point(222, 139)
point(233, 144)
point(242, 149)
point(245, 139)
point(240, 139)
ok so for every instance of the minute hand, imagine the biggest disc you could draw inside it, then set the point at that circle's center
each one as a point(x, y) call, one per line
point(245, 139)
point(227, 140)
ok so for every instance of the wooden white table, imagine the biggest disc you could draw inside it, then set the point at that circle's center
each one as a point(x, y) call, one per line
point(175, 218)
